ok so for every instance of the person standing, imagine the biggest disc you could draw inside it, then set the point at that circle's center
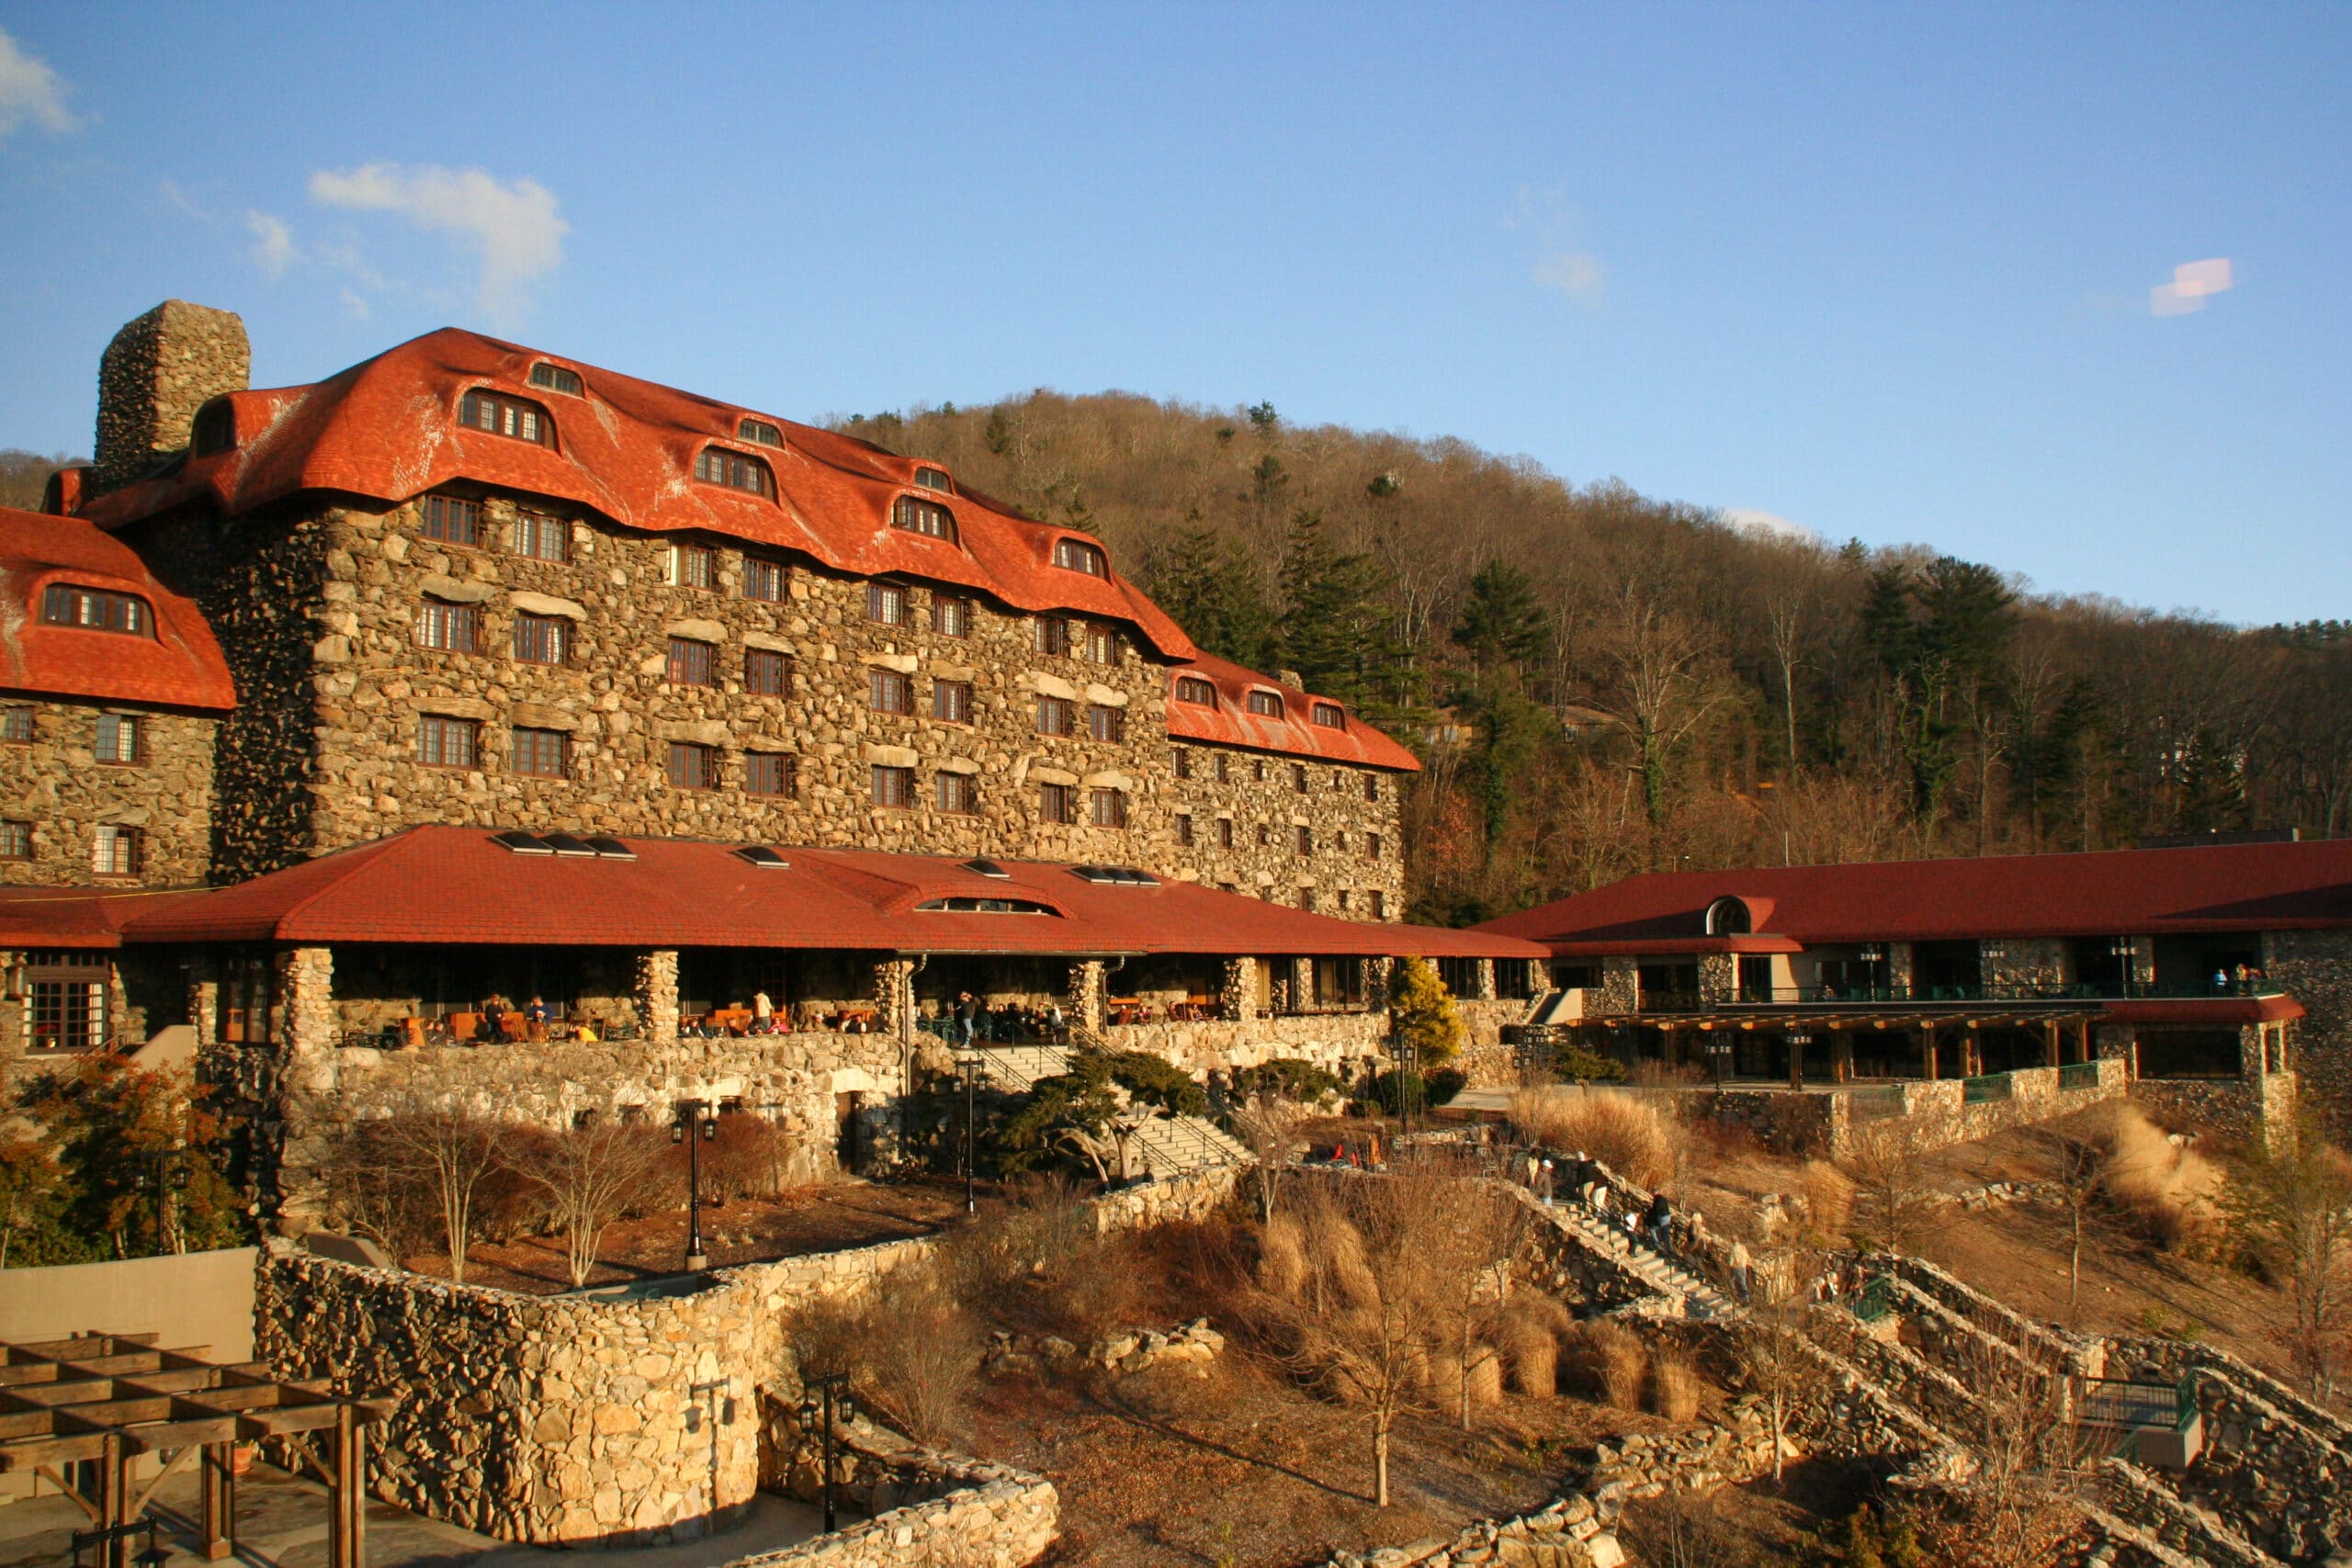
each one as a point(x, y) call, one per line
point(1547, 1182)
point(967, 1018)
point(762, 1011)
point(1660, 1222)
point(1739, 1267)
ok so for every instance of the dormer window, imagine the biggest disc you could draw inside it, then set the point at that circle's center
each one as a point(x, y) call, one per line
point(215, 429)
point(1077, 555)
point(924, 517)
point(63, 604)
point(1192, 689)
point(1330, 716)
point(758, 432)
point(1267, 704)
point(502, 415)
point(935, 479)
point(556, 379)
point(736, 470)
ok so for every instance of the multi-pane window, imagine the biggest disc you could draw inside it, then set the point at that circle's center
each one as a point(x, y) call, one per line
point(1109, 807)
point(890, 692)
point(951, 617)
point(1258, 769)
point(1371, 846)
point(770, 772)
point(924, 517)
point(1224, 768)
point(1185, 830)
point(1372, 786)
point(1183, 761)
point(935, 479)
point(690, 663)
point(693, 566)
point(950, 701)
point(542, 538)
point(444, 742)
point(116, 851)
point(693, 766)
point(15, 841)
point(1053, 636)
point(69, 1000)
point(1379, 909)
point(63, 604)
point(1099, 644)
point(736, 470)
point(453, 520)
point(1307, 899)
point(1224, 832)
point(542, 753)
point(542, 639)
point(1057, 715)
point(1330, 716)
point(1192, 689)
point(886, 603)
point(1057, 803)
point(758, 431)
point(502, 415)
point(894, 786)
point(454, 628)
point(766, 672)
point(1105, 722)
point(1266, 703)
point(556, 379)
point(1305, 836)
point(1298, 778)
point(118, 737)
point(17, 724)
point(958, 793)
point(764, 578)
point(1075, 555)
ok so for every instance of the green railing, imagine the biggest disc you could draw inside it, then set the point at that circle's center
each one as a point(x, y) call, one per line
point(2078, 1075)
point(1876, 1299)
point(1992, 1086)
point(2114, 1402)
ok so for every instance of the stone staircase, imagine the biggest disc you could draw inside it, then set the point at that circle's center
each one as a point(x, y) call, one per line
point(1549, 1009)
point(1677, 1289)
point(1165, 1145)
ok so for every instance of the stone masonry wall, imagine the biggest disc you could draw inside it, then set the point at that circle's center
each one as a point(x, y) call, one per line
point(2315, 968)
point(1352, 816)
point(55, 783)
point(157, 371)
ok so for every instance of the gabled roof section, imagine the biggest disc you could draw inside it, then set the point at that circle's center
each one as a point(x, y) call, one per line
point(79, 916)
point(387, 429)
point(1296, 733)
point(175, 663)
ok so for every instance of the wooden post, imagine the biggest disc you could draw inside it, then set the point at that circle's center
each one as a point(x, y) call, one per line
point(1928, 1047)
point(1971, 1054)
point(217, 1503)
point(1841, 1057)
point(2082, 1039)
point(339, 1492)
point(114, 1499)
point(2050, 1033)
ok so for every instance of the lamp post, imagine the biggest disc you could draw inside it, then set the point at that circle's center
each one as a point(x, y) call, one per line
point(721, 1406)
point(2122, 948)
point(969, 1062)
point(1798, 1040)
point(1406, 1055)
point(169, 1176)
point(825, 1400)
point(695, 1127)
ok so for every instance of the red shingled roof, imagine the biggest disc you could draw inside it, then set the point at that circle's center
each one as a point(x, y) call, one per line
point(456, 885)
point(78, 917)
point(2118, 892)
point(1231, 723)
point(178, 666)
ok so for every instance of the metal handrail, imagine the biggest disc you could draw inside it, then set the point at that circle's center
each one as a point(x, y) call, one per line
point(1956, 995)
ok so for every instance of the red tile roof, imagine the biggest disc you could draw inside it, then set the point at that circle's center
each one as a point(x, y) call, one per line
point(178, 666)
point(456, 885)
point(78, 917)
point(1231, 723)
point(2112, 893)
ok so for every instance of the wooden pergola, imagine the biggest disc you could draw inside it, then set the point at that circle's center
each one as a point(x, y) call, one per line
point(78, 1411)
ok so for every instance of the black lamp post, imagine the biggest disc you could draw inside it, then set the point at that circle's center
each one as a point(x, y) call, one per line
point(1406, 1055)
point(169, 1176)
point(695, 1126)
point(2122, 948)
point(108, 1539)
point(824, 1401)
point(1798, 1040)
point(969, 1063)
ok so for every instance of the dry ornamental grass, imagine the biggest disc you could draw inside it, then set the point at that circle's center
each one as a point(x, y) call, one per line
point(1626, 1133)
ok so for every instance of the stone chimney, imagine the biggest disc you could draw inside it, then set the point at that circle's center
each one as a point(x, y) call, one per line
point(1290, 678)
point(155, 374)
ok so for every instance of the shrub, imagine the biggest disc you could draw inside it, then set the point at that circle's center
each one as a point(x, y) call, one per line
point(1531, 1343)
point(1674, 1384)
point(1288, 1078)
point(911, 1348)
point(1389, 1090)
point(1569, 1060)
point(2165, 1192)
point(1628, 1134)
point(1609, 1364)
point(1421, 1011)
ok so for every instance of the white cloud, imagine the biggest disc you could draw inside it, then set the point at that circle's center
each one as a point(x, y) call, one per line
point(1575, 274)
point(2192, 284)
point(274, 249)
point(512, 228)
point(29, 90)
point(1560, 264)
point(1768, 525)
point(356, 305)
point(180, 199)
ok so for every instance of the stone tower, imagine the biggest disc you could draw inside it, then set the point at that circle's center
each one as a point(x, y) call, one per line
point(155, 374)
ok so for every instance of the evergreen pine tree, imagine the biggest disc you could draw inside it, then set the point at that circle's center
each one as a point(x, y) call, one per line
point(1502, 619)
point(1337, 630)
point(1421, 1014)
point(1205, 579)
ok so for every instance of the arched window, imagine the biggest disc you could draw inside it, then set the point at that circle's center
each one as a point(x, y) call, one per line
point(501, 415)
point(1269, 703)
point(1330, 716)
point(66, 604)
point(1077, 555)
point(1192, 689)
point(1729, 917)
point(736, 470)
point(215, 429)
point(556, 379)
point(759, 431)
point(924, 517)
point(935, 479)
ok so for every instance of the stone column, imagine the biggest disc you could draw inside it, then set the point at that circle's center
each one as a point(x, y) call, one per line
point(306, 999)
point(1484, 985)
point(656, 990)
point(1302, 982)
point(2121, 1042)
point(1241, 989)
point(1718, 978)
point(890, 998)
point(1086, 993)
point(1379, 974)
point(204, 1001)
point(1899, 968)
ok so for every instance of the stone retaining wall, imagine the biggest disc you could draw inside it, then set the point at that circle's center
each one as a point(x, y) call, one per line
point(2251, 1109)
point(925, 1509)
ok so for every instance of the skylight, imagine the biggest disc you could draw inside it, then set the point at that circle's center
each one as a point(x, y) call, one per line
point(1114, 875)
point(522, 843)
point(989, 868)
point(763, 857)
point(569, 845)
point(966, 905)
point(611, 849)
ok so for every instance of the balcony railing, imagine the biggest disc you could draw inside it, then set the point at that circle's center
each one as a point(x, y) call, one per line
point(1952, 995)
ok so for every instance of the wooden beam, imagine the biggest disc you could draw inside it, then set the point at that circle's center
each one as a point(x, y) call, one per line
point(216, 1519)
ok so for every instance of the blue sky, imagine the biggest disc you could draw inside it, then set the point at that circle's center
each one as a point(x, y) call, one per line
point(1885, 271)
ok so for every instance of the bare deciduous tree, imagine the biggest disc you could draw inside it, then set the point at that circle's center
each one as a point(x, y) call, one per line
point(1265, 1126)
point(2026, 1496)
point(2073, 1162)
point(2293, 1210)
point(588, 1175)
point(450, 1155)
point(1893, 1194)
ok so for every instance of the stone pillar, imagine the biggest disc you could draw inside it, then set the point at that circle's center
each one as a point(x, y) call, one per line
point(1302, 982)
point(1483, 987)
point(1241, 989)
point(656, 990)
point(1379, 976)
point(890, 998)
point(1899, 968)
point(306, 998)
point(1086, 993)
point(1718, 978)
point(204, 1001)
point(2121, 1041)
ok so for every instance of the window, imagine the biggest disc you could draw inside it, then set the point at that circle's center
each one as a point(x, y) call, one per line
point(1185, 830)
point(453, 521)
point(1266, 703)
point(1057, 715)
point(117, 738)
point(69, 1000)
point(502, 415)
point(736, 470)
point(1307, 899)
point(65, 605)
point(759, 431)
point(1379, 909)
point(116, 851)
point(1258, 769)
point(690, 663)
point(15, 841)
point(935, 479)
point(1224, 768)
point(1305, 839)
point(454, 628)
point(1057, 803)
point(924, 517)
point(951, 617)
point(1298, 778)
point(1075, 555)
point(1099, 646)
point(542, 538)
point(1183, 761)
point(1265, 836)
point(1053, 636)
point(764, 580)
point(1372, 786)
point(542, 639)
point(1343, 900)
point(766, 672)
point(444, 742)
point(885, 602)
point(1192, 689)
point(16, 723)
point(1107, 722)
point(693, 766)
point(1224, 832)
point(556, 379)
point(958, 793)
point(894, 786)
point(1110, 807)
point(1339, 843)
point(693, 566)
point(1371, 846)
point(890, 692)
point(542, 753)
point(771, 773)
point(950, 701)
point(1329, 716)
point(215, 428)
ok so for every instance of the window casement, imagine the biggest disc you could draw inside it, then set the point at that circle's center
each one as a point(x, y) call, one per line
point(444, 742)
point(1307, 899)
point(1224, 768)
point(17, 724)
point(951, 617)
point(117, 851)
point(94, 609)
point(538, 537)
point(1339, 843)
point(766, 672)
point(768, 580)
point(67, 991)
point(501, 415)
point(693, 566)
point(1057, 803)
point(934, 478)
point(214, 428)
point(958, 794)
point(1107, 722)
point(556, 379)
point(1185, 830)
point(950, 701)
point(1372, 786)
point(894, 787)
point(886, 603)
point(1057, 715)
point(927, 517)
point(758, 432)
point(1108, 807)
point(1199, 693)
point(1265, 836)
point(1183, 761)
point(542, 639)
point(1305, 839)
point(1075, 555)
point(119, 739)
point(1379, 904)
point(1268, 704)
point(541, 753)
point(772, 773)
point(690, 663)
point(453, 520)
point(1371, 846)
point(1298, 778)
point(1099, 644)
point(736, 470)
point(15, 841)
point(1329, 716)
point(692, 766)
point(889, 692)
point(1224, 832)
point(1053, 637)
point(1258, 769)
point(453, 628)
